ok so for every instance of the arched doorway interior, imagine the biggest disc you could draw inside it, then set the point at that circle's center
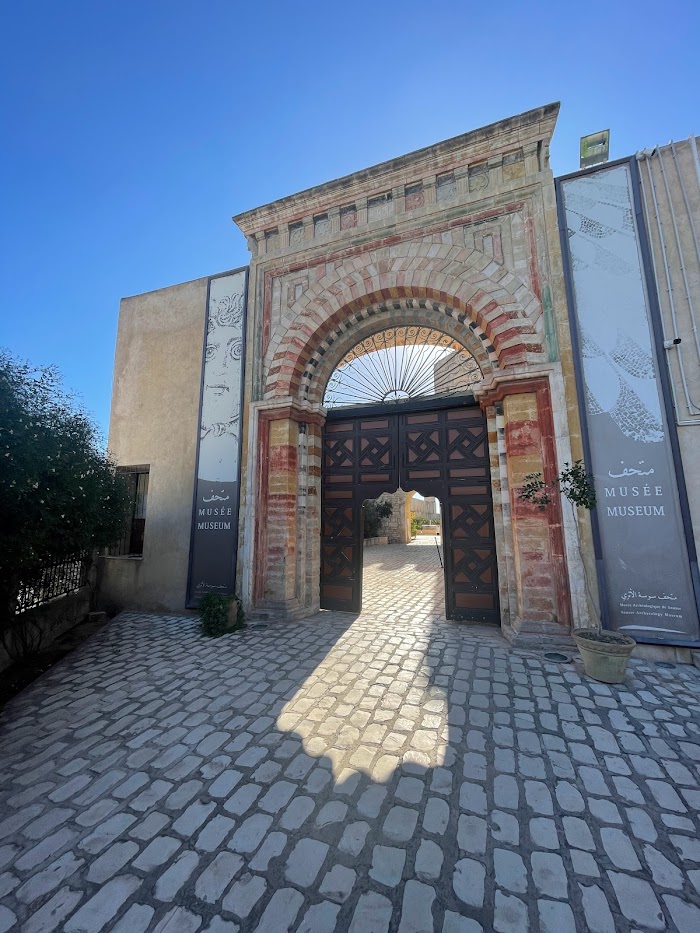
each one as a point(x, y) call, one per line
point(400, 415)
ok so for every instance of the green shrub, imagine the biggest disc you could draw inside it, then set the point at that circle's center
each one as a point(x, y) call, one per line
point(417, 521)
point(374, 514)
point(216, 611)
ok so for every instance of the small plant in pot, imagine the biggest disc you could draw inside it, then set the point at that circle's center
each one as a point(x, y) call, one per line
point(604, 653)
point(220, 615)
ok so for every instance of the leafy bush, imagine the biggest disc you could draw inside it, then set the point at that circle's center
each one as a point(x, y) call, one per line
point(60, 494)
point(375, 513)
point(417, 522)
point(216, 612)
point(573, 482)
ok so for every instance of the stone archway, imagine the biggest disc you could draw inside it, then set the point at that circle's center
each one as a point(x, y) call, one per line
point(460, 237)
point(531, 556)
point(477, 297)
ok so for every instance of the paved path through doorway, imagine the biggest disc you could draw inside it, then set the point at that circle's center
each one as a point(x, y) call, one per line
point(404, 583)
point(344, 774)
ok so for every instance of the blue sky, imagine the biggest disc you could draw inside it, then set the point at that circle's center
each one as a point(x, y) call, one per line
point(134, 130)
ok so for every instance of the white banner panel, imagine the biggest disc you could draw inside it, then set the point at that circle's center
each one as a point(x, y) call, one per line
point(215, 520)
point(649, 584)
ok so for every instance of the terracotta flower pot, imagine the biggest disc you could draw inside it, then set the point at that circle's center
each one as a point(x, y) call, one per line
point(604, 654)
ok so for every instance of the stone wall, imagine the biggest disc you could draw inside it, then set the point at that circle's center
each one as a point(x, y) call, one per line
point(670, 180)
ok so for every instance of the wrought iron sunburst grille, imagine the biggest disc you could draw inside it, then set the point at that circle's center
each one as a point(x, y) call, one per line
point(402, 363)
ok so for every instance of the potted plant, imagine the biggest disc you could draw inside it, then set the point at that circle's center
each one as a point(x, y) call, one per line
point(604, 653)
point(220, 615)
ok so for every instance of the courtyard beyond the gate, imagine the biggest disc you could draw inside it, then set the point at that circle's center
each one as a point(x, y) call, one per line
point(346, 774)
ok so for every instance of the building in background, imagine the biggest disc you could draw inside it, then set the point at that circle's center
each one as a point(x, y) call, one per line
point(404, 327)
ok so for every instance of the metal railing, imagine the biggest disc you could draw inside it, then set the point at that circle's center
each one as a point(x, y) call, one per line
point(58, 579)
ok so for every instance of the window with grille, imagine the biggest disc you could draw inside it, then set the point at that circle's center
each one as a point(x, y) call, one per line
point(131, 543)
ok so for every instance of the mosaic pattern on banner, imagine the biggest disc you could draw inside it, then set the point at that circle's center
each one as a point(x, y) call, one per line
point(649, 585)
point(215, 520)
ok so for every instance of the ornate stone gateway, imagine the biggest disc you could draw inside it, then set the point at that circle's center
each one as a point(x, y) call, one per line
point(425, 286)
point(442, 453)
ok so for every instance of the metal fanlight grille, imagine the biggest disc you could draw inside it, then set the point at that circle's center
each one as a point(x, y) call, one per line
point(402, 363)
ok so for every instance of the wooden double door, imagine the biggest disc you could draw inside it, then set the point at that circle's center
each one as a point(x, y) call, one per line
point(442, 453)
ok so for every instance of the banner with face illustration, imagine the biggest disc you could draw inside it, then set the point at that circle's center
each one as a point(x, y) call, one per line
point(645, 557)
point(215, 520)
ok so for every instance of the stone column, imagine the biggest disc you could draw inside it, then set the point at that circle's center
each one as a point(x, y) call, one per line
point(287, 511)
point(537, 580)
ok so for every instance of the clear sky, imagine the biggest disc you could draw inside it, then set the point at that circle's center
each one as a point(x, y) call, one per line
point(133, 129)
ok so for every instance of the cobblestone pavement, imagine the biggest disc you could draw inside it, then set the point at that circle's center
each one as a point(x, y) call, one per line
point(346, 774)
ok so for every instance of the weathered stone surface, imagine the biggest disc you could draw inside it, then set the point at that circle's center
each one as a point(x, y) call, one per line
point(316, 853)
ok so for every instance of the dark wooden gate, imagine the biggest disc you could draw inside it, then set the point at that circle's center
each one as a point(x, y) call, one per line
point(441, 453)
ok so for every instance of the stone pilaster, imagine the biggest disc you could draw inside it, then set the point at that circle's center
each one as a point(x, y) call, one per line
point(537, 581)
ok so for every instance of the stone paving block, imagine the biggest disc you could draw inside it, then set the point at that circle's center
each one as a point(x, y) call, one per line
point(137, 919)
point(46, 848)
point(320, 918)
point(111, 861)
point(372, 914)
point(353, 839)
point(549, 874)
point(178, 920)
point(272, 846)
point(510, 914)
point(468, 882)
point(619, 849)
point(338, 883)
point(637, 901)
point(455, 923)
point(555, 917)
point(305, 861)
point(417, 908)
point(664, 872)
point(281, 912)
point(170, 882)
point(194, 816)
point(370, 802)
point(400, 823)
point(218, 925)
point(151, 796)
point(429, 859)
point(157, 852)
point(51, 915)
point(243, 799)
point(250, 833)
point(387, 865)
point(244, 894)
point(102, 906)
point(598, 917)
point(149, 827)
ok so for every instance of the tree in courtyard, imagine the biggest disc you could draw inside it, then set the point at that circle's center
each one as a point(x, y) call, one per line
point(60, 494)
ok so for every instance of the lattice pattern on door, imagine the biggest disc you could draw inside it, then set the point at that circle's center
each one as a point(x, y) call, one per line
point(436, 453)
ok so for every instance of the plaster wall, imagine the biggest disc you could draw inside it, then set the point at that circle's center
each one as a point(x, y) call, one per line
point(670, 179)
point(154, 421)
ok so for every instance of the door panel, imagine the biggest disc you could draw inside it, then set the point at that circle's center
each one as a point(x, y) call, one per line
point(359, 461)
point(445, 454)
point(437, 453)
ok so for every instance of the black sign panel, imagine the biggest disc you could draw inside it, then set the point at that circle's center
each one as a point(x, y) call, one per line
point(217, 486)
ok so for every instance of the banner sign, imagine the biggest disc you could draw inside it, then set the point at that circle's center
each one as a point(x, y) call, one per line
point(215, 521)
point(647, 571)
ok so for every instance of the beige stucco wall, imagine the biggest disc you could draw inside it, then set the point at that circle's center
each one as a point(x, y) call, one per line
point(671, 195)
point(155, 407)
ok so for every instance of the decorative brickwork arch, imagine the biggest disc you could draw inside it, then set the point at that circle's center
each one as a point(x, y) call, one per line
point(447, 281)
point(370, 320)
